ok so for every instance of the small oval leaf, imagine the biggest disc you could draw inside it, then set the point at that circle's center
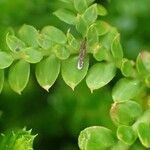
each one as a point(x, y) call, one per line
point(143, 131)
point(29, 35)
point(80, 5)
point(99, 75)
point(62, 52)
point(92, 138)
point(143, 63)
point(90, 1)
point(125, 113)
point(66, 16)
point(74, 44)
point(81, 26)
point(116, 48)
point(47, 71)
point(145, 56)
point(18, 76)
point(92, 36)
point(140, 66)
point(14, 43)
point(126, 134)
point(100, 53)
point(54, 34)
point(108, 38)
point(5, 60)
point(125, 89)
point(127, 68)
point(71, 74)
point(102, 27)
point(101, 10)
point(44, 42)
point(31, 55)
point(90, 15)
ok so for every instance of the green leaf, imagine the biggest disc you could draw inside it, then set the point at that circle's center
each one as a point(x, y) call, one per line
point(90, 1)
point(99, 75)
point(66, 16)
point(80, 5)
point(54, 34)
point(100, 53)
point(90, 15)
point(126, 134)
point(144, 118)
point(96, 138)
point(92, 36)
point(125, 113)
point(31, 55)
point(44, 42)
point(29, 35)
point(102, 27)
point(127, 68)
point(5, 60)
point(140, 66)
point(18, 76)
point(144, 133)
point(146, 60)
point(71, 74)
point(62, 52)
point(125, 89)
point(14, 43)
point(81, 26)
point(116, 48)
point(101, 10)
point(5, 30)
point(47, 71)
point(73, 43)
point(143, 63)
point(1, 79)
point(108, 38)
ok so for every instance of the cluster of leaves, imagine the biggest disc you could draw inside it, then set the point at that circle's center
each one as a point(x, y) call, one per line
point(132, 126)
point(17, 140)
point(52, 51)
point(51, 47)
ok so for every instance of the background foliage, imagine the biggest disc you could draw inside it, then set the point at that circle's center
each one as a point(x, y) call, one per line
point(59, 116)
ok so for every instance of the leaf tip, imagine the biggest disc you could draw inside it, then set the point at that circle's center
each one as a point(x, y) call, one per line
point(19, 92)
point(46, 87)
point(72, 87)
point(91, 91)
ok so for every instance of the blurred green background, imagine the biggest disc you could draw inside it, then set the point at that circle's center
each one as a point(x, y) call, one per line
point(59, 116)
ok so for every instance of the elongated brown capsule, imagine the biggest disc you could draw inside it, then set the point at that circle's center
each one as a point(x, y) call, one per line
point(82, 54)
